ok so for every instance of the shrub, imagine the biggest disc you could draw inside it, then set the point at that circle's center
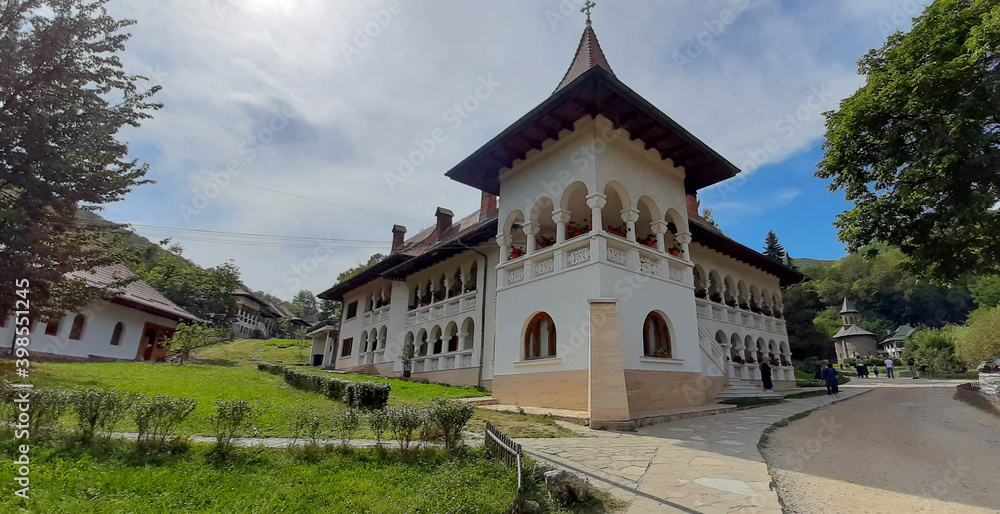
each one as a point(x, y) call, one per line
point(234, 419)
point(403, 422)
point(367, 395)
point(115, 406)
point(378, 422)
point(157, 417)
point(88, 408)
point(307, 425)
point(44, 408)
point(345, 425)
point(450, 418)
point(335, 388)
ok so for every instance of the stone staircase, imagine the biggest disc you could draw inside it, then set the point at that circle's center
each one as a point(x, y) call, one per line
point(368, 369)
point(741, 389)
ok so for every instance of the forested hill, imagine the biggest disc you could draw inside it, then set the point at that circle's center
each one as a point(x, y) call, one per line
point(885, 294)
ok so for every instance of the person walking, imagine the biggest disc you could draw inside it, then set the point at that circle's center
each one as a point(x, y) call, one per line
point(888, 368)
point(830, 375)
point(913, 367)
point(875, 369)
point(765, 376)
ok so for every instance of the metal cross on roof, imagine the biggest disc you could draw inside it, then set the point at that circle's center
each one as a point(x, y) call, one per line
point(586, 10)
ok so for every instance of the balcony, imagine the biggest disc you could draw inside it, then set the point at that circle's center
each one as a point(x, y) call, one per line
point(464, 302)
point(376, 316)
point(443, 361)
point(591, 248)
point(735, 316)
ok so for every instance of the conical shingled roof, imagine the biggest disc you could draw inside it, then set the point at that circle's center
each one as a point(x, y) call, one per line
point(847, 307)
point(588, 55)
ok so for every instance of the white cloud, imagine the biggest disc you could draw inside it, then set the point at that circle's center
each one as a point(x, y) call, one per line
point(227, 66)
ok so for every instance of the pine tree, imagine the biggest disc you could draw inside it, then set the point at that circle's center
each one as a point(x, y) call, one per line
point(772, 248)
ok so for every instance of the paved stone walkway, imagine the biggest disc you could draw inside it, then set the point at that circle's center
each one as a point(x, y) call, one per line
point(707, 464)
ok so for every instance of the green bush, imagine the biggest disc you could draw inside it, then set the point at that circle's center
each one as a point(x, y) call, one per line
point(367, 395)
point(307, 425)
point(335, 388)
point(378, 422)
point(345, 425)
point(403, 422)
point(155, 418)
point(234, 419)
point(44, 408)
point(450, 418)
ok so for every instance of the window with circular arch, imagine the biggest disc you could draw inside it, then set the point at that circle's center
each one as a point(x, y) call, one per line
point(656, 337)
point(540, 338)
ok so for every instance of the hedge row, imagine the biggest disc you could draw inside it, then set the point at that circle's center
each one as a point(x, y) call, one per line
point(364, 395)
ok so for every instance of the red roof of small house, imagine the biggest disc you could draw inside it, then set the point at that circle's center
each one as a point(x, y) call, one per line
point(137, 294)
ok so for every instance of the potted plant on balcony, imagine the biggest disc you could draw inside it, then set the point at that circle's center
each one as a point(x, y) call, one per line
point(701, 293)
point(619, 231)
point(407, 360)
point(675, 250)
point(544, 242)
point(649, 240)
point(515, 252)
point(577, 229)
point(751, 360)
point(741, 361)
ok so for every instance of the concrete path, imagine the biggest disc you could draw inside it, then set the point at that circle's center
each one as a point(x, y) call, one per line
point(707, 464)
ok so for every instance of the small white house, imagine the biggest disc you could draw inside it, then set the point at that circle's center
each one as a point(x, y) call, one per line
point(130, 326)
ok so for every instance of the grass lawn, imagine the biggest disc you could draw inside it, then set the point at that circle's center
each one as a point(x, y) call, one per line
point(225, 372)
point(751, 402)
point(69, 478)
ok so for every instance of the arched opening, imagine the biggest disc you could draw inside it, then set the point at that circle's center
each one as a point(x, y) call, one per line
point(540, 337)
point(700, 285)
point(731, 292)
point(541, 217)
point(742, 295)
point(735, 349)
point(456, 284)
point(648, 213)
point(468, 334)
point(774, 352)
point(574, 200)
point(116, 334)
point(382, 336)
point(470, 283)
point(421, 342)
point(611, 214)
point(52, 326)
point(674, 224)
point(441, 291)
point(408, 348)
point(76, 330)
point(451, 333)
point(754, 299)
point(436, 340)
point(750, 350)
point(513, 227)
point(766, 306)
point(715, 285)
point(656, 336)
point(364, 341)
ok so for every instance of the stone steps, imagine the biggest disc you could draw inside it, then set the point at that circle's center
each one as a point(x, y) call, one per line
point(741, 389)
point(368, 369)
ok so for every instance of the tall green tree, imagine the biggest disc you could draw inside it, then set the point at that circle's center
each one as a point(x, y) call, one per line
point(917, 148)
point(305, 303)
point(329, 310)
point(772, 247)
point(64, 96)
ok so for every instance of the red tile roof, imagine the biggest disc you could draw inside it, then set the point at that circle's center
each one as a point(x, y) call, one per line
point(137, 294)
point(588, 55)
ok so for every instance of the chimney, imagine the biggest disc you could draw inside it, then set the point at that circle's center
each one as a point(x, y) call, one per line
point(398, 236)
point(444, 217)
point(487, 205)
point(694, 206)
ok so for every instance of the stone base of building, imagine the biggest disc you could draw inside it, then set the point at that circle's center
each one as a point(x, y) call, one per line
point(659, 390)
point(551, 389)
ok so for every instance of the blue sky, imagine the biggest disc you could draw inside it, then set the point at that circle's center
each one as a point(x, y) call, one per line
point(293, 96)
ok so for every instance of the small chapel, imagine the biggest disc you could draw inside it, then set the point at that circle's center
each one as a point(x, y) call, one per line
point(586, 281)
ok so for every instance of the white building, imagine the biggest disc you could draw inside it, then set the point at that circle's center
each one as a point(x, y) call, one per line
point(594, 284)
point(130, 326)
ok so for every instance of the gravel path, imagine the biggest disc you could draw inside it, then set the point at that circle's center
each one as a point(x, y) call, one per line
point(904, 447)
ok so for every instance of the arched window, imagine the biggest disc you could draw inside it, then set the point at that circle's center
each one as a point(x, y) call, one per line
point(116, 336)
point(470, 282)
point(52, 326)
point(540, 338)
point(76, 331)
point(656, 337)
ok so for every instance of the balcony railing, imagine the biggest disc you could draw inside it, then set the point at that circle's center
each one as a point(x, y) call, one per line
point(591, 248)
point(443, 361)
point(377, 315)
point(464, 302)
point(736, 316)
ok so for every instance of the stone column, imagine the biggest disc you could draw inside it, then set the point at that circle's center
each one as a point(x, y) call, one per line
point(684, 238)
point(530, 230)
point(659, 227)
point(596, 202)
point(608, 396)
point(503, 240)
point(560, 217)
point(630, 216)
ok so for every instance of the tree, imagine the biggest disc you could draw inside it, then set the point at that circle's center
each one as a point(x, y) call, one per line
point(934, 348)
point(305, 303)
point(188, 338)
point(64, 95)
point(805, 339)
point(206, 293)
point(329, 310)
point(979, 340)
point(917, 148)
point(986, 291)
point(361, 266)
point(772, 248)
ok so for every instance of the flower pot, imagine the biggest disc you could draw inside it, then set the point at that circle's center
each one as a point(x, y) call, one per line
point(406, 373)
